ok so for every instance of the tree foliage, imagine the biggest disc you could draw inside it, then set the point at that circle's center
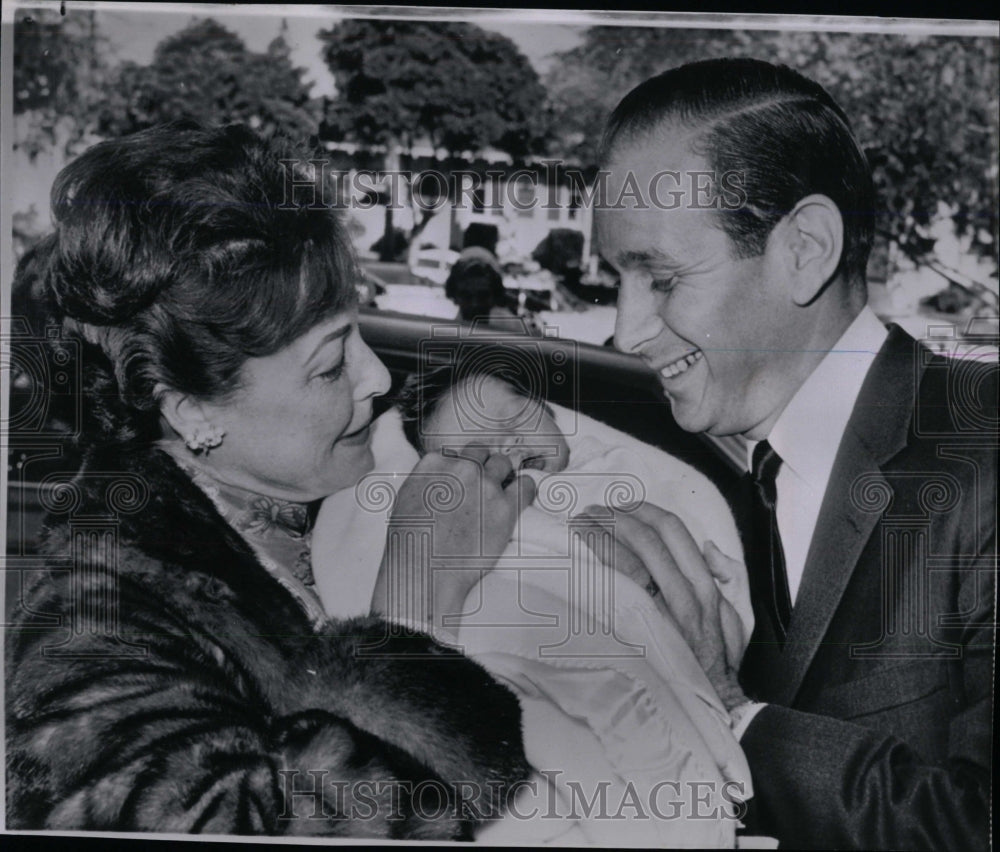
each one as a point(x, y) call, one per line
point(207, 73)
point(60, 69)
point(923, 107)
point(452, 84)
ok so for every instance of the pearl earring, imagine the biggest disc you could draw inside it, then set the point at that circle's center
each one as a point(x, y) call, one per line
point(204, 440)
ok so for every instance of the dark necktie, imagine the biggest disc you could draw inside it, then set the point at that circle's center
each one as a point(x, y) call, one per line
point(767, 557)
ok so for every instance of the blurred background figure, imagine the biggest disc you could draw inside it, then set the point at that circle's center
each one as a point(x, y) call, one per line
point(475, 285)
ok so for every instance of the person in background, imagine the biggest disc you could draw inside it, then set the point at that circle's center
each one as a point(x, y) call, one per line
point(475, 285)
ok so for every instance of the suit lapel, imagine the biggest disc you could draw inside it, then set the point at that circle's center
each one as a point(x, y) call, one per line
point(856, 496)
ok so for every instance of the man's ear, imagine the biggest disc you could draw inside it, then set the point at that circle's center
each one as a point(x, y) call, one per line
point(812, 235)
point(184, 413)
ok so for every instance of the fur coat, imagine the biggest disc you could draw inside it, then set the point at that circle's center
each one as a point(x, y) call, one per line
point(159, 679)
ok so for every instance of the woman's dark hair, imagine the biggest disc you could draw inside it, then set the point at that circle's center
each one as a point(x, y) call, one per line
point(183, 250)
point(780, 133)
point(420, 394)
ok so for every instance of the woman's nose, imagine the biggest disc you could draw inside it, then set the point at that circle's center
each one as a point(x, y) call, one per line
point(637, 320)
point(373, 378)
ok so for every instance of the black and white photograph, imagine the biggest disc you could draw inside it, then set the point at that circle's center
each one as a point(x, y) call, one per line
point(512, 426)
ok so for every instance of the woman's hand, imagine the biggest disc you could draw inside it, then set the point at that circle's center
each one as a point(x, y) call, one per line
point(451, 520)
point(651, 540)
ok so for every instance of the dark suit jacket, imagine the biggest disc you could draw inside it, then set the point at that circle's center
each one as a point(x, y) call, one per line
point(878, 733)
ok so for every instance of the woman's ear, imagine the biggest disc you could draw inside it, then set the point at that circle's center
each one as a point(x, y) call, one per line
point(184, 413)
point(813, 236)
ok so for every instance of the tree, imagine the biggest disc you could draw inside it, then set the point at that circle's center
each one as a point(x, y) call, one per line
point(59, 74)
point(206, 72)
point(923, 108)
point(452, 84)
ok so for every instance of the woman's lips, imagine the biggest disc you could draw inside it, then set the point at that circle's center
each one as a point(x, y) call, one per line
point(358, 436)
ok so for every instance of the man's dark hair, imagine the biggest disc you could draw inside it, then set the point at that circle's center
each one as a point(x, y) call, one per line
point(423, 390)
point(177, 251)
point(782, 133)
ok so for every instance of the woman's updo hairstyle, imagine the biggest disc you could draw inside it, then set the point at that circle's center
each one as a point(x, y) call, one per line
point(181, 251)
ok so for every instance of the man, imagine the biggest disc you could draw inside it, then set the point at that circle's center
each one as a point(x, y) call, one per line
point(738, 213)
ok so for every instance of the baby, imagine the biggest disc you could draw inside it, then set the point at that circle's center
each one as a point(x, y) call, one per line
point(612, 699)
point(443, 412)
point(440, 410)
point(609, 689)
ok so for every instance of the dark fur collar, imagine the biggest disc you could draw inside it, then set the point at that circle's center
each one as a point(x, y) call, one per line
point(161, 513)
point(442, 712)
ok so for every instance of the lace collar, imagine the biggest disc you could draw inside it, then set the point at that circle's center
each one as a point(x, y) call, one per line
point(278, 531)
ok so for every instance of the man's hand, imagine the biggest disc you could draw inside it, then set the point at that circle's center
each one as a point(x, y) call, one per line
point(649, 539)
point(459, 499)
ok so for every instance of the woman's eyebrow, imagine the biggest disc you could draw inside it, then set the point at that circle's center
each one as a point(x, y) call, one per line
point(343, 331)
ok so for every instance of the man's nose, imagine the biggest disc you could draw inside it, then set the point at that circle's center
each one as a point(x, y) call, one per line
point(637, 320)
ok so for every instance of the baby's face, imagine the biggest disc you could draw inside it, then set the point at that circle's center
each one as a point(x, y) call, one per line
point(485, 410)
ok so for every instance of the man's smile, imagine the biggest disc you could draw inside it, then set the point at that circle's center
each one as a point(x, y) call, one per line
point(681, 365)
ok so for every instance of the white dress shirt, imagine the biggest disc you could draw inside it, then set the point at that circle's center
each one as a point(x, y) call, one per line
point(807, 437)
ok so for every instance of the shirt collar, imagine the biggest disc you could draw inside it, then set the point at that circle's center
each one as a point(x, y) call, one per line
point(807, 433)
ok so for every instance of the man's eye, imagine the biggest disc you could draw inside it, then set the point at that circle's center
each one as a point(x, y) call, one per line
point(332, 374)
point(664, 285)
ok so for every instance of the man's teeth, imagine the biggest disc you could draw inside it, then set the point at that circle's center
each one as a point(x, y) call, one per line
point(675, 368)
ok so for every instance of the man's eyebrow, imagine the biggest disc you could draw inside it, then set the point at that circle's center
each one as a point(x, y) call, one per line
point(343, 331)
point(628, 259)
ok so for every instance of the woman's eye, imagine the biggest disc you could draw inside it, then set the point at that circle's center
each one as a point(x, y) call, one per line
point(332, 374)
point(664, 285)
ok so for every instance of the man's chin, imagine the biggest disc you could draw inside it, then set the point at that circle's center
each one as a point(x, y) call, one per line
point(689, 417)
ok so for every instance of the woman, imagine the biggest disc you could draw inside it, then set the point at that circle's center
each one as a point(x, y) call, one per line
point(181, 675)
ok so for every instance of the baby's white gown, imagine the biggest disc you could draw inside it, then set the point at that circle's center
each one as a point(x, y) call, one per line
point(631, 744)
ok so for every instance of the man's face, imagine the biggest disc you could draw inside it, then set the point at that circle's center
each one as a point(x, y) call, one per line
point(713, 327)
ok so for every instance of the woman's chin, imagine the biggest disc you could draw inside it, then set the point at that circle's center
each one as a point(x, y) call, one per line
point(350, 467)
